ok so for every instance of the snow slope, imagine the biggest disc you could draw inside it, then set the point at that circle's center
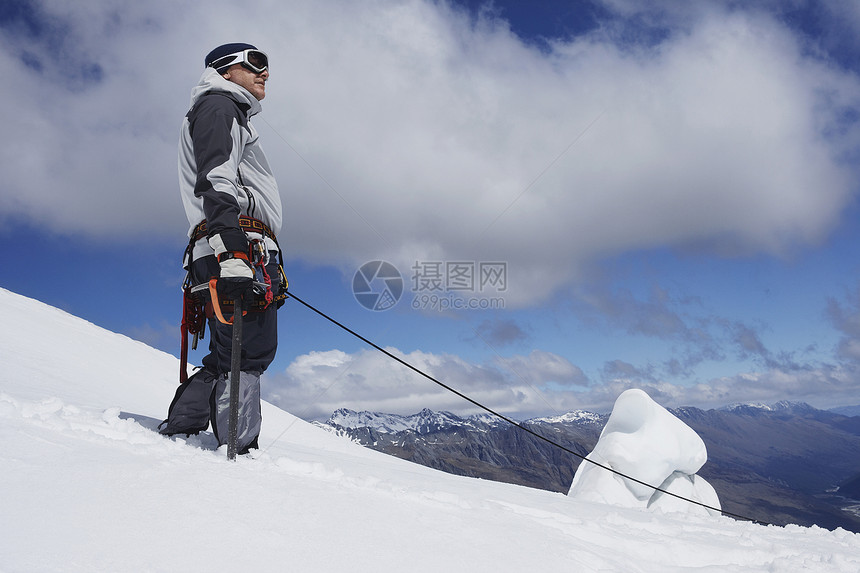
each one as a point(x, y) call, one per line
point(87, 486)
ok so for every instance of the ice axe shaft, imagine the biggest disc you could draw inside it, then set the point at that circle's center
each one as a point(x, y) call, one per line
point(235, 368)
point(235, 363)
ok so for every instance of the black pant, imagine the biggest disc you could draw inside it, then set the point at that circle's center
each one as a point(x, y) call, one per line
point(204, 396)
point(259, 328)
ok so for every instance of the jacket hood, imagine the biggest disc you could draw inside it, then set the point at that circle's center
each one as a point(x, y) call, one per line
point(212, 81)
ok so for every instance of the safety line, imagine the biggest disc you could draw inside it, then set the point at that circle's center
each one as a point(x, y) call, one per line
point(513, 422)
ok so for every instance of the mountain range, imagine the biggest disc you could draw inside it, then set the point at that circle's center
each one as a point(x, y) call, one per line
point(786, 463)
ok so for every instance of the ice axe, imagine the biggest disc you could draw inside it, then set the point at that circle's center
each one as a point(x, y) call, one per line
point(263, 287)
point(235, 365)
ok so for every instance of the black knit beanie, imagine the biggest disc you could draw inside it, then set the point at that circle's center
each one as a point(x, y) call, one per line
point(225, 50)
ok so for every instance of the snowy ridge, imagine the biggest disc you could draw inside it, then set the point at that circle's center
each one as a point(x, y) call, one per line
point(424, 422)
point(746, 405)
point(781, 406)
point(88, 486)
point(575, 417)
point(428, 421)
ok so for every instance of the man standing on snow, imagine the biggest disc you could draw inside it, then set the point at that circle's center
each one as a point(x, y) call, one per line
point(232, 203)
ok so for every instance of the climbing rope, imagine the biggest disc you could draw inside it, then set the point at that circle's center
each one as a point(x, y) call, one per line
point(513, 422)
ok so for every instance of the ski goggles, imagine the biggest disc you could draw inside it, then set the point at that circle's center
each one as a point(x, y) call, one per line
point(254, 60)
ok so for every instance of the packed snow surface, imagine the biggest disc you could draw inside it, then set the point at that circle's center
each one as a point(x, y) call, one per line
point(644, 441)
point(88, 486)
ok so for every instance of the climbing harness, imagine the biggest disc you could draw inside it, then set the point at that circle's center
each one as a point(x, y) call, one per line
point(247, 224)
point(200, 302)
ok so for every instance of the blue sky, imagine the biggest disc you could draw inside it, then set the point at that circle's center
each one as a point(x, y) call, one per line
point(670, 193)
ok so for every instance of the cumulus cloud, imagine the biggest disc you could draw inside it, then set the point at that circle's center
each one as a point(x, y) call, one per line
point(89, 140)
point(523, 386)
point(822, 387)
point(316, 384)
point(411, 130)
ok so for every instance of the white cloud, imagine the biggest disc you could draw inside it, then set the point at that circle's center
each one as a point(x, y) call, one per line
point(541, 383)
point(316, 384)
point(406, 131)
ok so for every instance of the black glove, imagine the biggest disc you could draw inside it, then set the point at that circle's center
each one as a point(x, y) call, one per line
point(237, 276)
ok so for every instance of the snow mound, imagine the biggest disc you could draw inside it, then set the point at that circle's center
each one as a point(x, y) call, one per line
point(645, 441)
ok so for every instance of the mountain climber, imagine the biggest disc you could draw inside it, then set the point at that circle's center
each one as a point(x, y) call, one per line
point(233, 206)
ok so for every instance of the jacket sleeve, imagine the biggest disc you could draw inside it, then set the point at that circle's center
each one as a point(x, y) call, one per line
point(216, 135)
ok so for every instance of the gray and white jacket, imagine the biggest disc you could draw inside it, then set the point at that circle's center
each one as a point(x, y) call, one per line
point(223, 172)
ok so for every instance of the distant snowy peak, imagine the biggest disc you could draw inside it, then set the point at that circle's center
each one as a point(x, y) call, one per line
point(424, 422)
point(575, 417)
point(783, 406)
point(384, 423)
point(793, 407)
